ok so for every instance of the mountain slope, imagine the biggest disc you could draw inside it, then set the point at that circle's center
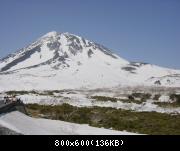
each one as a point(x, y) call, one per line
point(66, 61)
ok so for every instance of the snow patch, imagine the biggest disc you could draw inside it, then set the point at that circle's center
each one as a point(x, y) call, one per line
point(32, 126)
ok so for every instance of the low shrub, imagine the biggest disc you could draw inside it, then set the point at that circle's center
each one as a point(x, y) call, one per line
point(104, 98)
point(142, 96)
point(118, 119)
point(175, 97)
point(156, 97)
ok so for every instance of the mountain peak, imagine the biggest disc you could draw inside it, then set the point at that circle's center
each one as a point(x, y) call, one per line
point(55, 50)
point(50, 34)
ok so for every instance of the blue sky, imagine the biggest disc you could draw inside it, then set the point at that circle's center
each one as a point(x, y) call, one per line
point(137, 30)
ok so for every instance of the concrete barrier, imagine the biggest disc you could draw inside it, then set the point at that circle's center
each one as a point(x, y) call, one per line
point(13, 106)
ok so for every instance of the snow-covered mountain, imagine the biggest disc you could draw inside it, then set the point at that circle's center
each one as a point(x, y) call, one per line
point(66, 61)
